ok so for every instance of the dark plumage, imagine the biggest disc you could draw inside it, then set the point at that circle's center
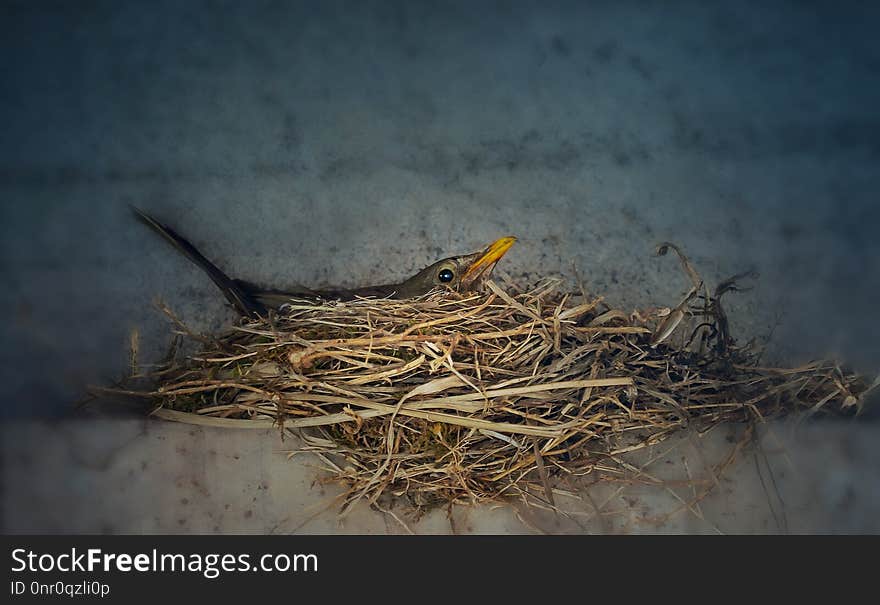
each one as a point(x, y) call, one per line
point(462, 273)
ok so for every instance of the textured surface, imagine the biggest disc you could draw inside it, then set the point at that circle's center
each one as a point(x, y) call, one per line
point(351, 143)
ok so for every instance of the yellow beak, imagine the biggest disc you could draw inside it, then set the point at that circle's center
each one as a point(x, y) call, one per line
point(490, 256)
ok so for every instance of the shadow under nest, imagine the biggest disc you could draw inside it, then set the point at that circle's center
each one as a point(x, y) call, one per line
point(464, 399)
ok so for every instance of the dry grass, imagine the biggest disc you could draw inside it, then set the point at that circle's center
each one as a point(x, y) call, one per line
point(466, 399)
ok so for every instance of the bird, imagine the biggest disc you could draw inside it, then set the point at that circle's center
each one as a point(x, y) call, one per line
point(464, 273)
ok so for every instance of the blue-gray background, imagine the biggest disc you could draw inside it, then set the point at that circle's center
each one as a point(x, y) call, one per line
point(348, 143)
point(351, 142)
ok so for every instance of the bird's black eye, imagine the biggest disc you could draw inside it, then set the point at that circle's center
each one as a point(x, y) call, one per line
point(445, 276)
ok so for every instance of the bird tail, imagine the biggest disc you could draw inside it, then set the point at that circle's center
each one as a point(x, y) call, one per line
point(232, 289)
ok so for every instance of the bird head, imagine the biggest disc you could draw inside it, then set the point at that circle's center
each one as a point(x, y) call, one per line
point(464, 273)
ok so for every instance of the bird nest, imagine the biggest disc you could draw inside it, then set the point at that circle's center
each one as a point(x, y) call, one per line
point(452, 398)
